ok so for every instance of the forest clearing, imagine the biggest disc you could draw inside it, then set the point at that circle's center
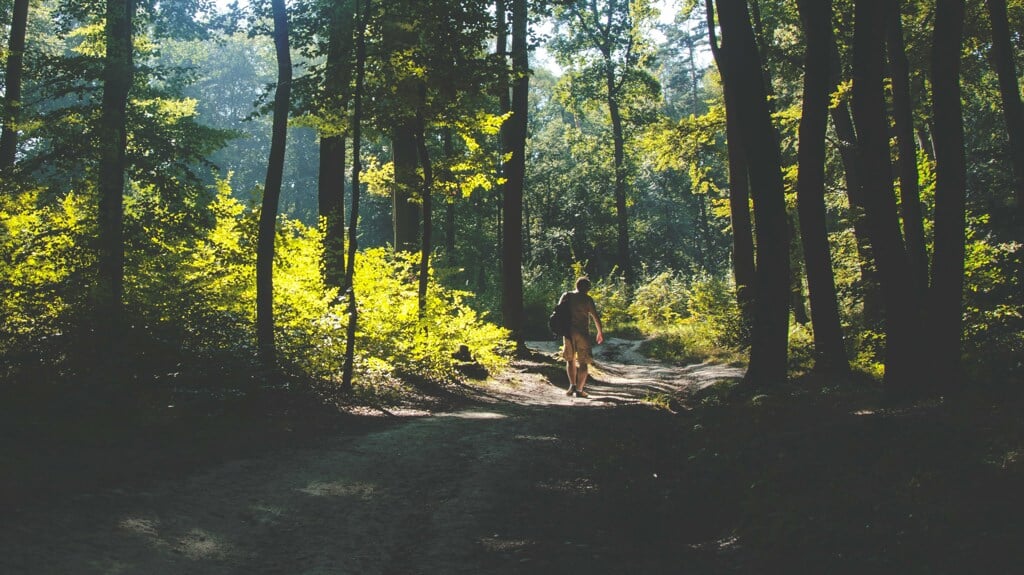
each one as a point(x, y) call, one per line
point(515, 477)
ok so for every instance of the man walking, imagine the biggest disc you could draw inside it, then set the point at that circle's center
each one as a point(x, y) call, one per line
point(576, 345)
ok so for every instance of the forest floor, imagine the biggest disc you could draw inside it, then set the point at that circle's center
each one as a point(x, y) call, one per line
point(657, 472)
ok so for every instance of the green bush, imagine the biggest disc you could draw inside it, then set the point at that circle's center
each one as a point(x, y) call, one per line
point(711, 304)
point(659, 302)
point(190, 293)
point(44, 273)
point(611, 295)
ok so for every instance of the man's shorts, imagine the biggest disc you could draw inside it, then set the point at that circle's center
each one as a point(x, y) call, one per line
point(579, 348)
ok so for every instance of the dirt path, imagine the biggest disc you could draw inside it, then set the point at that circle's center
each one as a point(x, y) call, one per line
point(505, 486)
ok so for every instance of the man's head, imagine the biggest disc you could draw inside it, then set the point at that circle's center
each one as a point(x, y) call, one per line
point(583, 285)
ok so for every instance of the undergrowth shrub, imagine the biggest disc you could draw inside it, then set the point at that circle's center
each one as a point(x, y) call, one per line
point(659, 301)
point(994, 309)
point(190, 294)
point(394, 334)
point(611, 294)
point(44, 274)
point(690, 321)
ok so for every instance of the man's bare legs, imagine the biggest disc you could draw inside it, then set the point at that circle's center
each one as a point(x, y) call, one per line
point(581, 379)
point(577, 377)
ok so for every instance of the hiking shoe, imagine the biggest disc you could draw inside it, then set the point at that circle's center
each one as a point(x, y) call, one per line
point(582, 393)
point(570, 392)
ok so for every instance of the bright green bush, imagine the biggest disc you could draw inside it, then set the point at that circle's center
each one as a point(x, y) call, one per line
point(659, 301)
point(994, 308)
point(44, 271)
point(611, 294)
point(394, 335)
point(711, 304)
point(190, 293)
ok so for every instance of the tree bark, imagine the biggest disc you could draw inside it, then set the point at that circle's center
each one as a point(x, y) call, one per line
point(903, 116)
point(515, 174)
point(505, 106)
point(357, 166)
point(619, 150)
point(118, 76)
point(1013, 111)
point(771, 314)
point(946, 309)
point(843, 124)
point(830, 353)
point(902, 309)
point(797, 301)
point(404, 211)
point(12, 83)
point(272, 193)
point(427, 204)
point(739, 195)
point(449, 214)
point(331, 183)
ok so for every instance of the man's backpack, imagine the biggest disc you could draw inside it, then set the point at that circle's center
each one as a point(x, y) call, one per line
point(561, 317)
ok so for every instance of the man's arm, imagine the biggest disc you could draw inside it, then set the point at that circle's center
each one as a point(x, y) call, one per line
point(597, 322)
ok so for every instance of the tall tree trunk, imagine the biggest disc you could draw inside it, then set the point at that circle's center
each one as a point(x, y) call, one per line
point(12, 83)
point(739, 199)
point(331, 183)
point(830, 354)
point(903, 116)
point(272, 193)
point(771, 314)
point(619, 147)
point(505, 141)
point(707, 255)
point(902, 315)
point(1013, 111)
point(924, 140)
point(843, 124)
point(946, 309)
point(515, 174)
point(428, 204)
point(797, 301)
point(404, 211)
point(118, 75)
point(357, 166)
point(449, 215)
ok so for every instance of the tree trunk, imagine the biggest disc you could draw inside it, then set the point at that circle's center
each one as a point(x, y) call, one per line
point(504, 106)
point(12, 83)
point(618, 142)
point(1002, 56)
point(272, 193)
point(903, 116)
point(902, 315)
point(830, 354)
point(404, 212)
point(739, 199)
point(924, 140)
point(357, 166)
point(331, 206)
point(118, 75)
point(946, 309)
point(797, 301)
point(843, 124)
point(515, 174)
point(428, 204)
point(449, 215)
point(331, 184)
point(771, 316)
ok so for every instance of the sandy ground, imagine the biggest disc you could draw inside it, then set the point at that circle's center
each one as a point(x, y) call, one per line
point(500, 487)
